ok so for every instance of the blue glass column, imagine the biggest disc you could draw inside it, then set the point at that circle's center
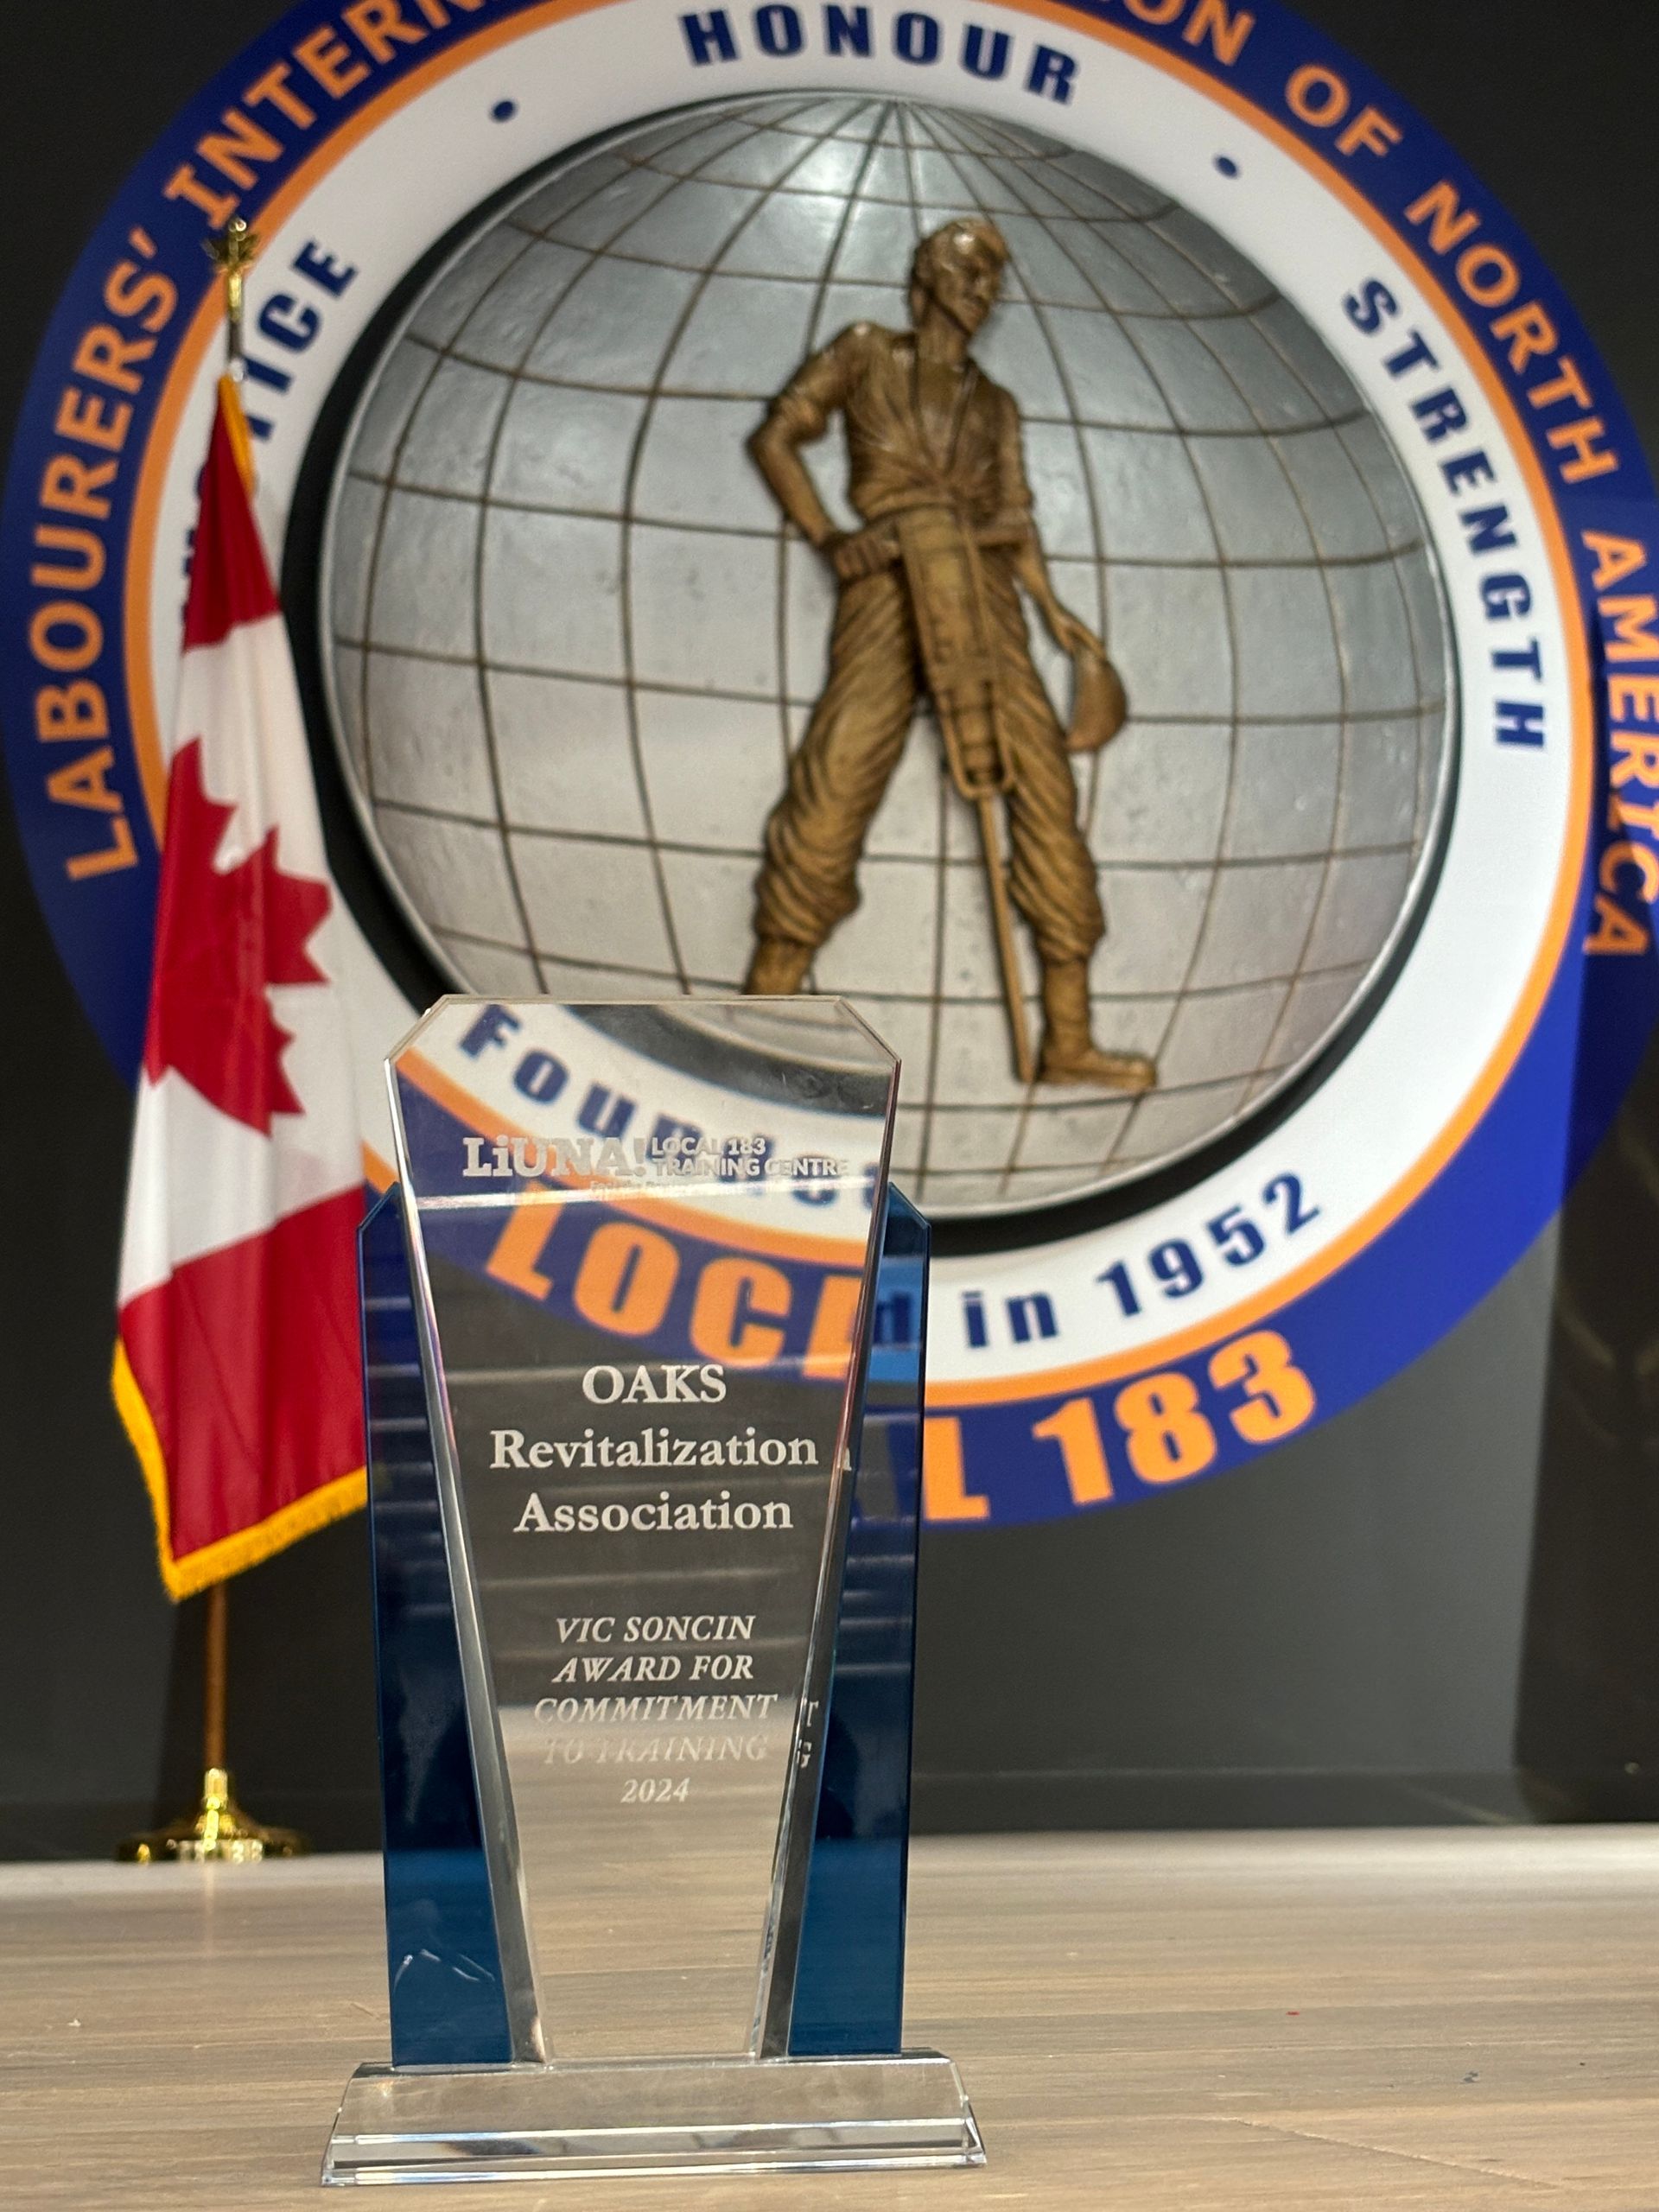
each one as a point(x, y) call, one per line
point(444, 1963)
point(849, 1983)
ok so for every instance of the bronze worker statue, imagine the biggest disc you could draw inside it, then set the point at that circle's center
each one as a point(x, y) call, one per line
point(929, 600)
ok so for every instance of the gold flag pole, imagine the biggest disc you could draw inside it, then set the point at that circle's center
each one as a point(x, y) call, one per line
point(219, 1828)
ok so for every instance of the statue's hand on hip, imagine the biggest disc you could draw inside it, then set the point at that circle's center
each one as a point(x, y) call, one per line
point(857, 553)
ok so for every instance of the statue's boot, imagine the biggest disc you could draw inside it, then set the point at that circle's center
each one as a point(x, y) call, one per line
point(1070, 1052)
point(778, 968)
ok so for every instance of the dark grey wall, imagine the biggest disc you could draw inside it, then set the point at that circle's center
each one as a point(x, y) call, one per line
point(1334, 1634)
point(1338, 1633)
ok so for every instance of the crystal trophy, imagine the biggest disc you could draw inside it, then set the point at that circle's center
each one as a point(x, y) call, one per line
point(643, 1326)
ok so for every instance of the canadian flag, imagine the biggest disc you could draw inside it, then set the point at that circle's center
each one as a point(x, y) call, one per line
point(236, 1365)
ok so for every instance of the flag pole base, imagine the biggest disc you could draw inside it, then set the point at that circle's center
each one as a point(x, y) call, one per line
point(218, 1829)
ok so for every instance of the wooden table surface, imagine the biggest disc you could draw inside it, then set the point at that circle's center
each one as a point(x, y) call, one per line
point(1423, 2018)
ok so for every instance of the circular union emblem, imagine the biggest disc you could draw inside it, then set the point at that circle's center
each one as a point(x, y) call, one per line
point(1193, 709)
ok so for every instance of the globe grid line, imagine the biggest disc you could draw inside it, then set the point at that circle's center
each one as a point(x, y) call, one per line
point(1245, 719)
point(1243, 564)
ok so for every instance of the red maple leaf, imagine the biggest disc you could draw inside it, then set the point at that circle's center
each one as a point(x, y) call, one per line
point(223, 936)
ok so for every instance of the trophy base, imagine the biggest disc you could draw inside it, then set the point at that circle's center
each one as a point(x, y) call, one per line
point(579, 2120)
point(219, 1828)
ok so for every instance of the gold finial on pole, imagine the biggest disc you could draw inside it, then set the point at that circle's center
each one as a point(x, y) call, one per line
point(232, 251)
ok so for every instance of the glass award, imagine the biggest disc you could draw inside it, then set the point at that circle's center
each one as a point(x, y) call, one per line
point(643, 1324)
